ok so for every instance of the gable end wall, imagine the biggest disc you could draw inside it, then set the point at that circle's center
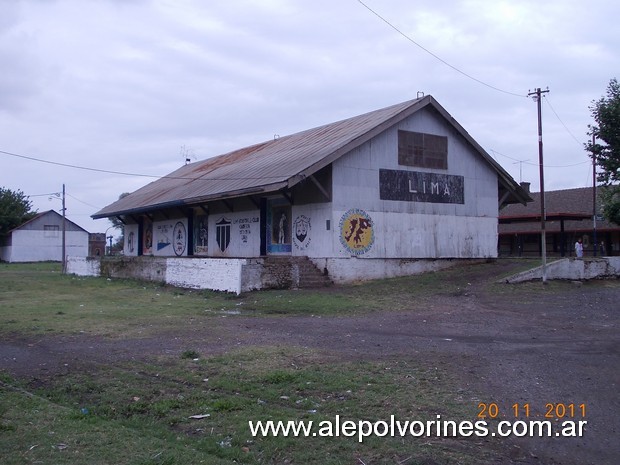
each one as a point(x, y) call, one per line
point(414, 229)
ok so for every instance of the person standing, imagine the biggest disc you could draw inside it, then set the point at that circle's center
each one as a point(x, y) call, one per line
point(579, 248)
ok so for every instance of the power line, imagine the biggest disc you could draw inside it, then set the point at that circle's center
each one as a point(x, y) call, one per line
point(589, 178)
point(85, 203)
point(68, 165)
point(560, 120)
point(436, 56)
point(122, 173)
point(58, 194)
point(536, 164)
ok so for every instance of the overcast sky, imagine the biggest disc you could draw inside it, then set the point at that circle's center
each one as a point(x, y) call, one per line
point(136, 86)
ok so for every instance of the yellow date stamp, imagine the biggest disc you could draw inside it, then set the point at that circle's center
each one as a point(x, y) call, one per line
point(547, 410)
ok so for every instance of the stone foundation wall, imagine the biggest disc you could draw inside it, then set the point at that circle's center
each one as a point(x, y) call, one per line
point(246, 274)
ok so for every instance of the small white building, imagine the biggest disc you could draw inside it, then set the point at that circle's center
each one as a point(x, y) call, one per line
point(40, 239)
point(396, 191)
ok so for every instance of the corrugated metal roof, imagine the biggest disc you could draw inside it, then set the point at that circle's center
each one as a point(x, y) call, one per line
point(271, 165)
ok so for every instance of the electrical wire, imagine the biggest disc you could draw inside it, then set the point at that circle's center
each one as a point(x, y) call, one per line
point(538, 164)
point(81, 201)
point(410, 39)
point(562, 122)
point(58, 194)
point(589, 179)
point(122, 173)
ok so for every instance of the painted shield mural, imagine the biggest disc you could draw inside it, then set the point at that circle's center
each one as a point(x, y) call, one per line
point(179, 234)
point(356, 231)
point(301, 232)
point(222, 233)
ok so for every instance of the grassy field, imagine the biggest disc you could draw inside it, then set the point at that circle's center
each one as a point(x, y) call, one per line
point(38, 299)
point(139, 411)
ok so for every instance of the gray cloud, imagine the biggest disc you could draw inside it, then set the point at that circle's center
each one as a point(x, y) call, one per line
point(124, 85)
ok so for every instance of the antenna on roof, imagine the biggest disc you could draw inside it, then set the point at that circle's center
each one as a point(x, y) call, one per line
point(420, 94)
point(187, 154)
point(276, 136)
point(520, 162)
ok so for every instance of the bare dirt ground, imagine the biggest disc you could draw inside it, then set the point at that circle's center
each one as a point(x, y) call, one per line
point(533, 346)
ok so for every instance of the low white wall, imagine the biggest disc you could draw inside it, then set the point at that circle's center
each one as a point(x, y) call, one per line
point(205, 273)
point(572, 269)
point(218, 274)
point(84, 266)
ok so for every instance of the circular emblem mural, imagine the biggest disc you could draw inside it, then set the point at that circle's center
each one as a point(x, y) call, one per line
point(179, 234)
point(356, 231)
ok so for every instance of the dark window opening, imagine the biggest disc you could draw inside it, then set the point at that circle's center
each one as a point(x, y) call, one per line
point(423, 150)
point(51, 230)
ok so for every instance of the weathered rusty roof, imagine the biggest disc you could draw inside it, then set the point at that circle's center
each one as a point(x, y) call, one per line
point(279, 163)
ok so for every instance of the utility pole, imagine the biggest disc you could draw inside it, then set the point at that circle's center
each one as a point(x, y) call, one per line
point(543, 233)
point(64, 233)
point(594, 192)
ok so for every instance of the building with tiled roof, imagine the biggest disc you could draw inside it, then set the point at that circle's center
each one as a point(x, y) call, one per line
point(569, 217)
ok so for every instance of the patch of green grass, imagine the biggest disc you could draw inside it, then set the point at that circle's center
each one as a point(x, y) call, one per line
point(38, 299)
point(280, 377)
point(39, 431)
point(134, 412)
point(138, 413)
point(190, 354)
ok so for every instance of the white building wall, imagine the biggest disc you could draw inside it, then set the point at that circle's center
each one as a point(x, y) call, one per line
point(404, 229)
point(36, 246)
point(310, 234)
point(244, 236)
point(403, 235)
point(130, 247)
point(170, 238)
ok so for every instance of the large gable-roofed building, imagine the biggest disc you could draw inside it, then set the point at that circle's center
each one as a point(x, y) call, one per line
point(380, 194)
